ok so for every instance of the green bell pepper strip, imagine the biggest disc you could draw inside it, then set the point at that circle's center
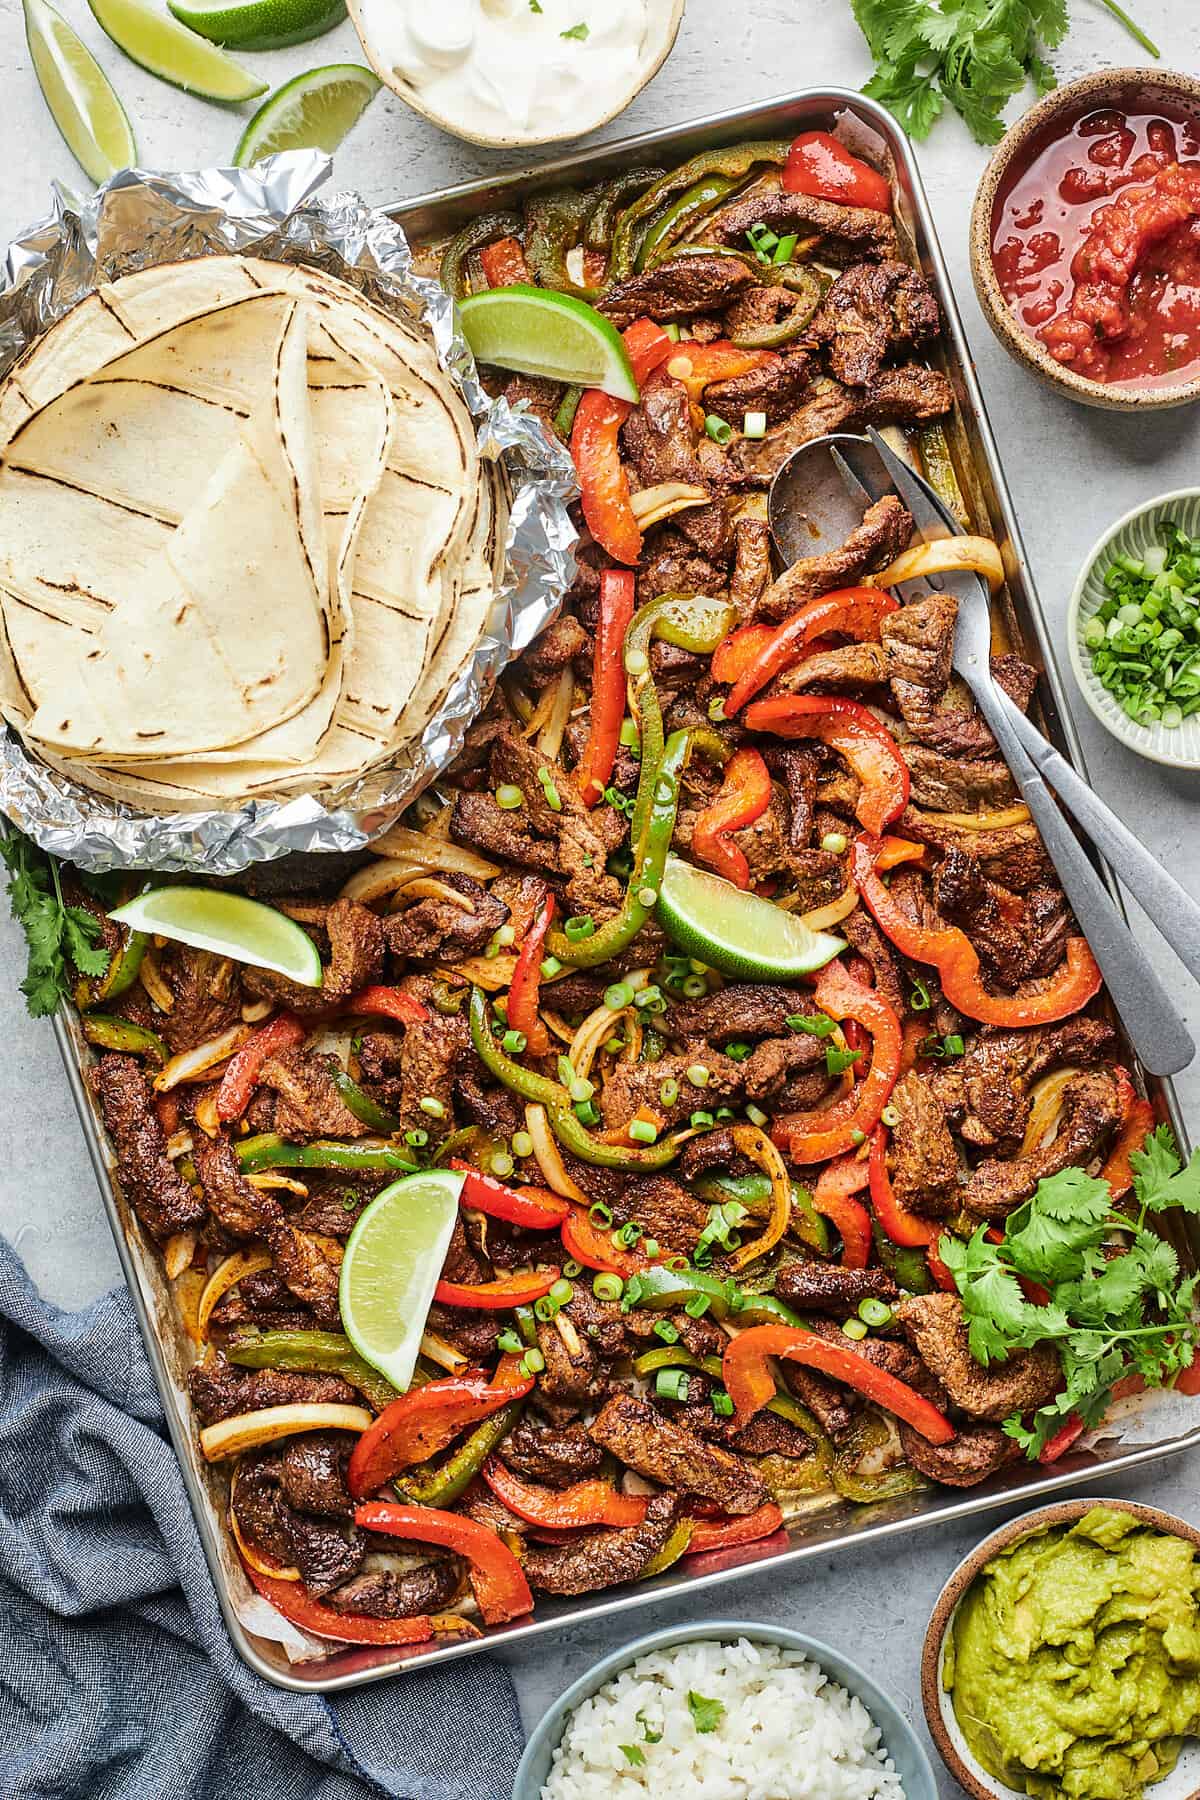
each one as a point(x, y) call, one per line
point(365, 1110)
point(734, 162)
point(675, 1547)
point(568, 406)
point(694, 622)
point(679, 216)
point(908, 1268)
point(663, 1289)
point(269, 1151)
point(754, 1193)
point(597, 233)
point(119, 977)
point(650, 847)
point(554, 225)
point(512, 1075)
point(888, 1484)
point(527, 1325)
point(326, 1352)
point(443, 1486)
point(483, 230)
point(108, 1032)
point(633, 1159)
point(805, 284)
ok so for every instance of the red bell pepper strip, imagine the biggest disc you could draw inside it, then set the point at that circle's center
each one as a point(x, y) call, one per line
point(724, 1534)
point(854, 612)
point(737, 652)
point(498, 1296)
point(603, 483)
point(536, 1208)
point(896, 850)
point(1063, 1438)
point(297, 1606)
point(242, 1072)
point(504, 262)
point(697, 365)
point(820, 164)
point(855, 733)
point(416, 1425)
point(937, 1268)
point(844, 1127)
point(900, 1225)
point(594, 1248)
point(750, 1383)
point(1138, 1123)
point(524, 990)
point(608, 685)
point(833, 1195)
point(591, 1502)
point(497, 1581)
point(954, 956)
point(390, 1003)
point(744, 796)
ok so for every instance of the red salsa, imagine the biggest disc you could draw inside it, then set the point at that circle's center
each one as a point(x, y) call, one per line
point(1096, 245)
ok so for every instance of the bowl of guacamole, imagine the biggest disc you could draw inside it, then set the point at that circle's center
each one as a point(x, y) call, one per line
point(1063, 1657)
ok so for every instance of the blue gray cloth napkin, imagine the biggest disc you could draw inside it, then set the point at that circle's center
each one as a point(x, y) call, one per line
point(117, 1678)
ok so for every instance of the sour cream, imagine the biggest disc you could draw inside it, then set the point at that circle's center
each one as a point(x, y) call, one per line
point(512, 67)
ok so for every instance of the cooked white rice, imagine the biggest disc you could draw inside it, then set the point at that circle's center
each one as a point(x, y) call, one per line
point(787, 1732)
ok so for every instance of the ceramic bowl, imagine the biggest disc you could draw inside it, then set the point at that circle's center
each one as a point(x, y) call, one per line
point(901, 1741)
point(1183, 1783)
point(1177, 748)
point(664, 20)
point(1103, 87)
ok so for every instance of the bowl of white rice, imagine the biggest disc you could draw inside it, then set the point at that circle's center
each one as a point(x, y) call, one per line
point(726, 1711)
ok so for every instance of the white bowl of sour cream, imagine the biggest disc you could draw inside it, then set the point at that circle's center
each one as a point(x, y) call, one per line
point(508, 73)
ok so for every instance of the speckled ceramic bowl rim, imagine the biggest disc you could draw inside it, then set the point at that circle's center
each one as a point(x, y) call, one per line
point(894, 1727)
point(404, 90)
point(1081, 670)
point(1016, 340)
point(1059, 1513)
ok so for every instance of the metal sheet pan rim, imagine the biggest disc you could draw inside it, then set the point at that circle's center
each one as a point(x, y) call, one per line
point(713, 125)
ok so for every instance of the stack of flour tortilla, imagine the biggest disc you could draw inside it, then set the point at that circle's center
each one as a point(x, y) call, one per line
point(246, 542)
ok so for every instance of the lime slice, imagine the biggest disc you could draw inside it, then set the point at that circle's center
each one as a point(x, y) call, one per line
point(259, 24)
point(229, 924)
point(391, 1267)
point(174, 54)
point(313, 112)
point(81, 100)
point(738, 933)
point(538, 332)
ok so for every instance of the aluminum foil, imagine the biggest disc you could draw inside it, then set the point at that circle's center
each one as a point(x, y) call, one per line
point(275, 210)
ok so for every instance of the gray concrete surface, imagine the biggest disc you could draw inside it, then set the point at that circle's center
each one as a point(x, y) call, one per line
point(1072, 472)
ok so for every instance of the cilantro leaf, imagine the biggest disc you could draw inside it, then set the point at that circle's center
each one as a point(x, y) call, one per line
point(706, 1714)
point(54, 932)
point(634, 1754)
point(1159, 1181)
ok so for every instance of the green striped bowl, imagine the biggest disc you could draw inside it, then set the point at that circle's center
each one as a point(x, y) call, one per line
point(1132, 536)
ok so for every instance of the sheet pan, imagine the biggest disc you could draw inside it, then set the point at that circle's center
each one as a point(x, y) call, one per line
point(1151, 1429)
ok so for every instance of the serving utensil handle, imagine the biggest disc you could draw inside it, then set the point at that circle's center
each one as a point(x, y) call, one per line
point(1150, 1018)
point(1158, 893)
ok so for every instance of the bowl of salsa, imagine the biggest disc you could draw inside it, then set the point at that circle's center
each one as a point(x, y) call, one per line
point(1085, 239)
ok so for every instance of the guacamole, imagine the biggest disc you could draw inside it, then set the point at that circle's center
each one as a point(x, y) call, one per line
point(1074, 1659)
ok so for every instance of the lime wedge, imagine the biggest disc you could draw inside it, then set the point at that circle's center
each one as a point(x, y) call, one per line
point(259, 24)
point(391, 1267)
point(81, 100)
point(313, 112)
point(740, 934)
point(167, 50)
point(229, 924)
point(538, 332)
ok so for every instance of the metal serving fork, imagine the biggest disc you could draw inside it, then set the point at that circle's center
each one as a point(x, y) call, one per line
point(870, 468)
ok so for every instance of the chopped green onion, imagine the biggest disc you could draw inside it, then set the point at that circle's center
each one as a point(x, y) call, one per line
point(785, 248)
point(697, 1306)
point(509, 1342)
point(854, 1328)
point(664, 1329)
point(756, 1115)
point(738, 1051)
point(874, 1312)
point(717, 428)
point(629, 735)
point(650, 1247)
point(618, 996)
point(694, 987)
point(571, 1268)
point(920, 1000)
point(647, 897)
point(722, 1404)
point(600, 1214)
point(668, 1093)
point(837, 1061)
point(546, 1309)
point(858, 1137)
point(627, 1235)
point(754, 425)
point(435, 1108)
point(607, 1287)
point(698, 1074)
point(588, 1113)
point(702, 1121)
point(890, 1116)
point(562, 1291)
point(580, 927)
point(550, 966)
point(812, 1024)
point(553, 800)
point(522, 1144)
point(716, 711)
point(509, 797)
point(533, 1362)
point(672, 1384)
point(500, 1163)
point(636, 662)
point(513, 1042)
point(642, 1131)
point(416, 1140)
point(835, 842)
point(581, 1089)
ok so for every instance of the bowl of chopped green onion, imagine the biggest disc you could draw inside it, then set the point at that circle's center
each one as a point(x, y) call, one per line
point(1133, 629)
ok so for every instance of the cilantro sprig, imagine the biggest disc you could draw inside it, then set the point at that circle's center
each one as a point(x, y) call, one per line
point(974, 53)
point(1115, 1305)
point(55, 933)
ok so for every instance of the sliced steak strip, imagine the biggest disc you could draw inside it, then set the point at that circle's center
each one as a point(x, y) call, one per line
point(847, 233)
point(677, 289)
point(556, 1457)
point(1018, 938)
point(308, 1104)
point(325, 1554)
point(923, 1160)
point(438, 929)
point(356, 947)
point(906, 396)
point(1091, 1111)
point(665, 1452)
point(775, 388)
point(986, 1095)
point(657, 436)
point(151, 1183)
point(821, 1287)
point(600, 1559)
point(205, 988)
point(966, 1460)
point(389, 1594)
point(873, 311)
point(936, 1329)
point(947, 784)
point(884, 532)
point(221, 1390)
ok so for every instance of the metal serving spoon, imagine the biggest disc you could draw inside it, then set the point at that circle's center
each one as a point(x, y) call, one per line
point(867, 468)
